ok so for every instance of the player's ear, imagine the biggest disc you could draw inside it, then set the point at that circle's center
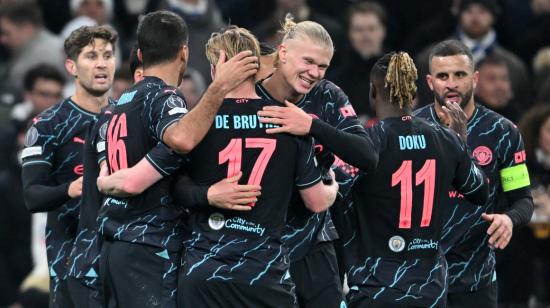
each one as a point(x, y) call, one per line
point(212, 71)
point(430, 81)
point(70, 66)
point(475, 79)
point(282, 53)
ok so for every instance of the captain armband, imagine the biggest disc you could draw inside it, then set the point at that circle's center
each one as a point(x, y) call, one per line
point(514, 177)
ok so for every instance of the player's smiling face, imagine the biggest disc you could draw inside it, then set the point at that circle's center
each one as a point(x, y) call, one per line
point(95, 67)
point(303, 63)
point(452, 79)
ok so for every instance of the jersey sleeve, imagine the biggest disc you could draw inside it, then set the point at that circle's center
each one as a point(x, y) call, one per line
point(41, 142)
point(307, 172)
point(165, 109)
point(512, 167)
point(99, 138)
point(341, 113)
point(163, 159)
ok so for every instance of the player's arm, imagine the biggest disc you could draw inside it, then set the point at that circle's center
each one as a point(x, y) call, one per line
point(343, 134)
point(515, 183)
point(41, 192)
point(225, 194)
point(316, 195)
point(319, 197)
point(158, 163)
point(185, 134)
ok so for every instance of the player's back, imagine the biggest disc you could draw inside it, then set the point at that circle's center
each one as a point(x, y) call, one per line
point(237, 142)
point(135, 127)
point(399, 208)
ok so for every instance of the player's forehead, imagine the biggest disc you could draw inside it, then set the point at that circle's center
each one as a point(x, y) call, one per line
point(97, 45)
point(451, 64)
point(303, 46)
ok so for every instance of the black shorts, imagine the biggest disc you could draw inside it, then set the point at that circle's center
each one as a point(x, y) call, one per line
point(485, 297)
point(134, 275)
point(85, 292)
point(59, 293)
point(317, 278)
point(214, 294)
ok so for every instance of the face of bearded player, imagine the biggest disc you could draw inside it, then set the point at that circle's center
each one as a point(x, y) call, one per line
point(452, 79)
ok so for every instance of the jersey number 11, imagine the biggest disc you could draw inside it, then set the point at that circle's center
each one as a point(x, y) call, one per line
point(425, 175)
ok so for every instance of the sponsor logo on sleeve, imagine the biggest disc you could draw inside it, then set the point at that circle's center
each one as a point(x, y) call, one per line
point(216, 221)
point(31, 137)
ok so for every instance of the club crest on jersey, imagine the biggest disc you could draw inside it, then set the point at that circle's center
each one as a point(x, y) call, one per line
point(216, 221)
point(31, 137)
point(396, 243)
point(483, 155)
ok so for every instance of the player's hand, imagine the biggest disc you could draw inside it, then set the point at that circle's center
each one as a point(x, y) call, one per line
point(455, 118)
point(228, 194)
point(500, 230)
point(291, 119)
point(75, 188)
point(231, 73)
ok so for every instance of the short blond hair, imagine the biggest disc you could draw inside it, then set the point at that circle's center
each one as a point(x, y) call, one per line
point(305, 29)
point(232, 40)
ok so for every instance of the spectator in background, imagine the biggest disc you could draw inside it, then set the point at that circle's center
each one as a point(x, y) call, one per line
point(475, 29)
point(529, 277)
point(123, 80)
point(541, 68)
point(88, 13)
point(26, 38)
point(202, 17)
point(494, 89)
point(268, 31)
point(366, 33)
point(192, 86)
point(43, 88)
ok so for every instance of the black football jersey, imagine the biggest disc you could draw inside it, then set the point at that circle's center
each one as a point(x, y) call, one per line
point(395, 250)
point(497, 146)
point(85, 252)
point(327, 102)
point(246, 246)
point(56, 139)
point(136, 126)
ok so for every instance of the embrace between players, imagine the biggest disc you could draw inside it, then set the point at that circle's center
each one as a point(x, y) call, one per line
point(227, 204)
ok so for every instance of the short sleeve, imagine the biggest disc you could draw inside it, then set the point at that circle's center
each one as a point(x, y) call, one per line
point(164, 110)
point(307, 173)
point(164, 160)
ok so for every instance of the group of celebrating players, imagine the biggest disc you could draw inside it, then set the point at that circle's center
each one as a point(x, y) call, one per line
point(269, 191)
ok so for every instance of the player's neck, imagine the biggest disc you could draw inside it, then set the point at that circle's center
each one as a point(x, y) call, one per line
point(280, 90)
point(168, 72)
point(389, 111)
point(246, 89)
point(89, 102)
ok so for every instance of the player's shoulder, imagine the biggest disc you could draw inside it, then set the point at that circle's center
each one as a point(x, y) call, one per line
point(328, 89)
point(53, 115)
point(424, 112)
point(490, 118)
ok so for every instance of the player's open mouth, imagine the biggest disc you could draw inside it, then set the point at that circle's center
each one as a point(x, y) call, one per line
point(101, 77)
point(453, 97)
point(310, 82)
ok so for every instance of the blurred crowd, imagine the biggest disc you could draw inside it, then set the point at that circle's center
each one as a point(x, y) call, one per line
point(510, 41)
